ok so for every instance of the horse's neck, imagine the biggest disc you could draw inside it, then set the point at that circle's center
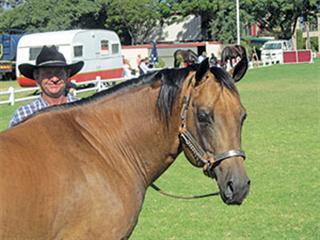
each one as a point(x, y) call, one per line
point(129, 133)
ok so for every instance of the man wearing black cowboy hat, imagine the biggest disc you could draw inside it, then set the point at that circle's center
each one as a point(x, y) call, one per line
point(51, 73)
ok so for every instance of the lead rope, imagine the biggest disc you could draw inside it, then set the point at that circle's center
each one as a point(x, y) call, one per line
point(155, 187)
point(198, 152)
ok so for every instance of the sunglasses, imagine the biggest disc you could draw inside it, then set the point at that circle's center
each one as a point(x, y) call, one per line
point(47, 73)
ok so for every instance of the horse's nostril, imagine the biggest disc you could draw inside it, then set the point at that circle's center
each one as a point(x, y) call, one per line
point(230, 186)
point(229, 191)
point(235, 191)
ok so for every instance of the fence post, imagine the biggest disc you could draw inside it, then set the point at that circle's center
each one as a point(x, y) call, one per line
point(11, 95)
point(98, 83)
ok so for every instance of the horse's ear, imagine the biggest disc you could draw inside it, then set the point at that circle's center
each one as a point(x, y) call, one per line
point(239, 70)
point(202, 70)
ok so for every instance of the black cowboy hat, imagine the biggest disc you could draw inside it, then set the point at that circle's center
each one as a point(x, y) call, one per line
point(50, 57)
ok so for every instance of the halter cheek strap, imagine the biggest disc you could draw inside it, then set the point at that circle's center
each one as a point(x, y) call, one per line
point(207, 159)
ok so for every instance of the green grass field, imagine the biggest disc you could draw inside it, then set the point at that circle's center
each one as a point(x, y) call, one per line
point(281, 137)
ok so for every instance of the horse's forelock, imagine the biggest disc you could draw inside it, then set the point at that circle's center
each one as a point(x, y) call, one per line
point(172, 80)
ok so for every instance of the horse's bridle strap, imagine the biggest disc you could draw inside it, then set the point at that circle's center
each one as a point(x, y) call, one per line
point(206, 157)
point(228, 154)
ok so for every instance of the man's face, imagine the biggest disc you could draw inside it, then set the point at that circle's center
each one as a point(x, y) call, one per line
point(52, 80)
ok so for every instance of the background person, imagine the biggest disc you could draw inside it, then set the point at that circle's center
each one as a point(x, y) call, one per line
point(127, 69)
point(213, 60)
point(51, 73)
point(138, 60)
point(254, 57)
point(143, 67)
point(202, 56)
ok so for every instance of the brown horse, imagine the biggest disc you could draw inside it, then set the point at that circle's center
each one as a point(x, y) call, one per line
point(81, 170)
point(184, 58)
point(231, 54)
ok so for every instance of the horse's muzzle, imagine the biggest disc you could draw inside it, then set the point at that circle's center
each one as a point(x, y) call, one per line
point(235, 191)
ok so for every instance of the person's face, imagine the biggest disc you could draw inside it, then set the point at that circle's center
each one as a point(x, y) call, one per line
point(52, 80)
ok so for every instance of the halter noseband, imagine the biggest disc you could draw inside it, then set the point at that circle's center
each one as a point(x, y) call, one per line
point(208, 160)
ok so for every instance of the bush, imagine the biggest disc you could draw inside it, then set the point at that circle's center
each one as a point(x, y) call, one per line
point(160, 63)
point(314, 44)
point(300, 41)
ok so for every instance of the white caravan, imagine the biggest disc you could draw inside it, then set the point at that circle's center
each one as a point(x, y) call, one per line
point(99, 49)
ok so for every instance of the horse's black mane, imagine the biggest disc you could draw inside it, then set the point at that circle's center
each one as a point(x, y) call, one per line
point(224, 78)
point(171, 82)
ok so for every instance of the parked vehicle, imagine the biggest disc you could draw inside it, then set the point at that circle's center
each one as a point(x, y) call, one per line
point(8, 49)
point(99, 49)
point(272, 51)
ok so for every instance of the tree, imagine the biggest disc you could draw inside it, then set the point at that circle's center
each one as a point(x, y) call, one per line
point(224, 22)
point(218, 17)
point(133, 20)
point(279, 17)
point(274, 17)
point(50, 15)
point(10, 3)
point(206, 9)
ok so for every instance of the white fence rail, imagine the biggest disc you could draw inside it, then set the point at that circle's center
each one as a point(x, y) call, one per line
point(98, 85)
point(12, 95)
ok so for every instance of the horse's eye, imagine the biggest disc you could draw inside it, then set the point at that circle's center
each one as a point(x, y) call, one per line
point(203, 117)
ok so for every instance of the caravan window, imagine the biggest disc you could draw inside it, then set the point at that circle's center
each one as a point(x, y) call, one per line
point(34, 52)
point(115, 48)
point(271, 46)
point(78, 51)
point(104, 46)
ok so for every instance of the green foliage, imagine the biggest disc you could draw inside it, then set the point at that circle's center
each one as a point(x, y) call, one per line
point(50, 15)
point(218, 17)
point(12, 3)
point(278, 17)
point(160, 63)
point(224, 25)
point(300, 40)
point(224, 22)
point(247, 45)
point(135, 18)
point(206, 9)
point(314, 44)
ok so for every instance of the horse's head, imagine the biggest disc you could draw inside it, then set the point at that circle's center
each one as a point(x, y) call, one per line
point(212, 118)
point(232, 53)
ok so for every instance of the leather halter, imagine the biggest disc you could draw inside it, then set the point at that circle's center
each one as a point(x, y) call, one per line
point(208, 160)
